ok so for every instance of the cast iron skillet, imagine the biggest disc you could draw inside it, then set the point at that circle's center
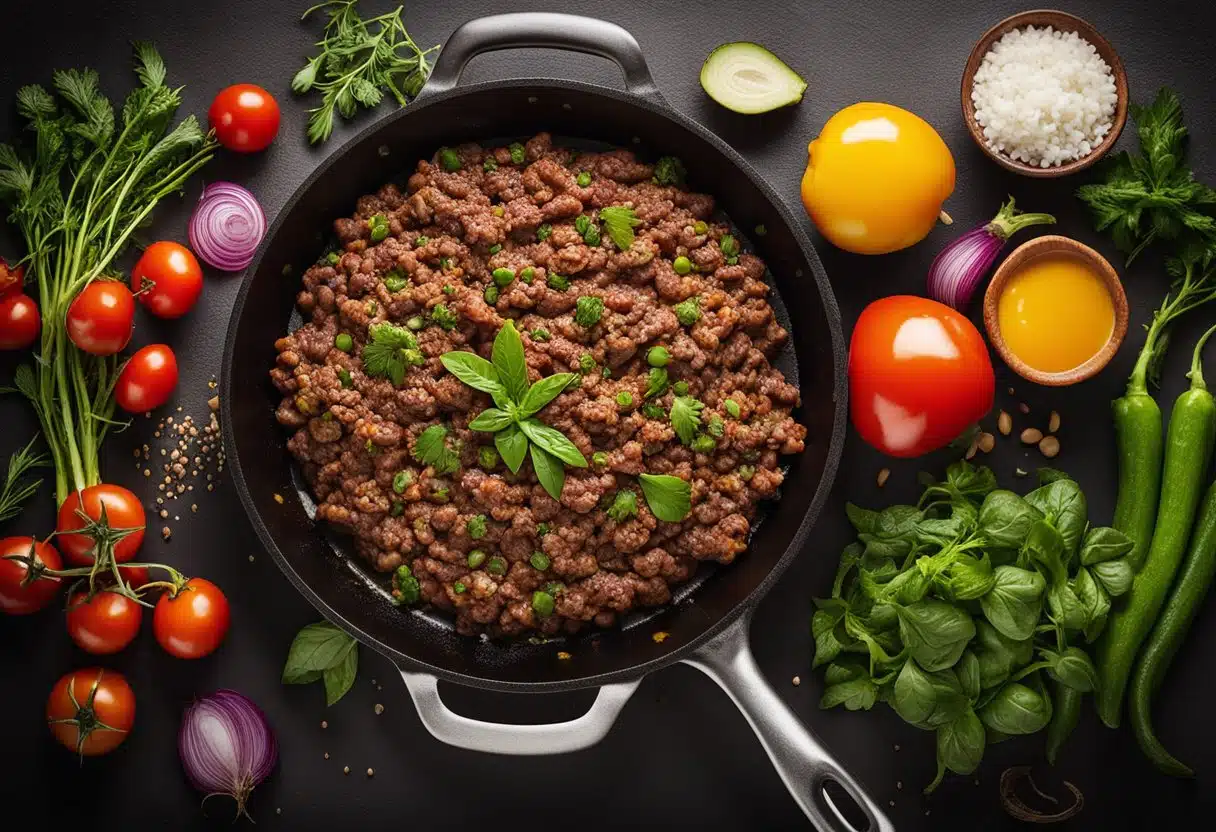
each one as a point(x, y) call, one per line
point(707, 630)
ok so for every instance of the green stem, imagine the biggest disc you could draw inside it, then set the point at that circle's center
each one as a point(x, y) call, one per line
point(1009, 221)
point(1196, 373)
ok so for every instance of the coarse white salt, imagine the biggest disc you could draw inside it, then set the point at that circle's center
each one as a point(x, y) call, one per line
point(1044, 97)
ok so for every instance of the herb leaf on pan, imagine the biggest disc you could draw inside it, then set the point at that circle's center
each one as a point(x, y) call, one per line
point(326, 653)
point(359, 61)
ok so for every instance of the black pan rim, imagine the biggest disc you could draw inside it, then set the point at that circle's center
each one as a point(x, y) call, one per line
point(658, 106)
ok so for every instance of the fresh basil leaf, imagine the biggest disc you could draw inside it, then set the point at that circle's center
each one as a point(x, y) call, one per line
point(855, 695)
point(1017, 709)
point(1065, 608)
point(1045, 546)
point(1050, 475)
point(1073, 668)
point(863, 520)
point(1094, 600)
point(960, 746)
point(549, 471)
point(1015, 601)
point(490, 420)
point(306, 677)
point(315, 648)
point(669, 498)
point(968, 672)
point(508, 359)
point(1116, 576)
point(878, 547)
point(838, 673)
point(512, 446)
point(941, 531)
point(473, 370)
point(1005, 519)
point(553, 442)
point(927, 700)
point(973, 482)
point(339, 678)
point(1104, 543)
point(543, 392)
point(848, 559)
point(997, 655)
point(968, 578)
point(935, 632)
point(1063, 504)
point(895, 522)
point(823, 629)
point(907, 587)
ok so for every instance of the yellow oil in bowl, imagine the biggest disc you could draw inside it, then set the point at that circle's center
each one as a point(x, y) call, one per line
point(1055, 313)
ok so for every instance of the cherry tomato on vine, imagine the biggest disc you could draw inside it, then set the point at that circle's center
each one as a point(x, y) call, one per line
point(17, 597)
point(147, 380)
point(91, 711)
point(193, 622)
point(919, 375)
point(135, 576)
point(12, 278)
point(19, 321)
point(123, 511)
point(102, 317)
point(245, 118)
point(103, 624)
point(167, 279)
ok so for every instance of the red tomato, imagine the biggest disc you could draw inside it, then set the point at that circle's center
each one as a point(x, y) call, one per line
point(245, 118)
point(19, 321)
point(104, 624)
point(11, 279)
point(123, 511)
point(192, 623)
point(919, 375)
point(102, 317)
point(17, 598)
point(147, 379)
point(173, 278)
point(101, 697)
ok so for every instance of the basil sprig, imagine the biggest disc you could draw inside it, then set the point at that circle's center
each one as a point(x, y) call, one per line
point(323, 652)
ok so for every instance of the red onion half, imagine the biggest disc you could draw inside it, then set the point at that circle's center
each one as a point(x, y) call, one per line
point(226, 746)
point(227, 225)
point(962, 265)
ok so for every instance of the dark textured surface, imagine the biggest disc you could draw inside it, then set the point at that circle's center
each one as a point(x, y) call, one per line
point(680, 756)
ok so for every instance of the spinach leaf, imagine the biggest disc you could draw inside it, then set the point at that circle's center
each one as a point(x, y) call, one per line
point(881, 654)
point(1063, 504)
point(968, 672)
point(880, 547)
point(967, 578)
point(1115, 576)
point(935, 632)
point(960, 746)
point(823, 628)
point(1017, 709)
point(1104, 543)
point(907, 587)
point(1065, 607)
point(973, 482)
point(1015, 601)
point(1094, 600)
point(1050, 475)
point(927, 700)
point(863, 520)
point(840, 672)
point(855, 694)
point(1073, 668)
point(848, 559)
point(1005, 519)
point(998, 655)
point(897, 522)
point(1045, 546)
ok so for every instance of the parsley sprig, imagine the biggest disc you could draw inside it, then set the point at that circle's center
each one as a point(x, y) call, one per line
point(431, 448)
point(388, 352)
point(513, 422)
point(359, 61)
point(620, 221)
point(17, 487)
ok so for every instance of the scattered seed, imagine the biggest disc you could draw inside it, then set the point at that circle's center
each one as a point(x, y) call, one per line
point(892, 803)
point(346, 769)
point(164, 513)
point(797, 680)
point(1004, 423)
point(987, 442)
point(166, 533)
point(327, 755)
point(1011, 391)
point(251, 558)
point(194, 506)
point(371, 772)
point(972, 448)
point(147, 472)
point(278, 811)
point(324, 724)
point(899, 784)
point(1049, 447)
point(562, 655)
point(1031, 436)
point(278, 498)
point(1018, 472)
point(379, 709)
point(897, 748)
point(660, 637)
point(882, 476)
point(214, 403)
point(1024, 408)
point(1053, 422)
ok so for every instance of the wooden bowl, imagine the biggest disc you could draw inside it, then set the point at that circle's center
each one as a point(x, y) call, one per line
point(1047, 244)
point(1063, 22)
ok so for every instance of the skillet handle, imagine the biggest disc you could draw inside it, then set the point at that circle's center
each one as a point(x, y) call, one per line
point(552, 30)
point(805, 766)
point(522, 740)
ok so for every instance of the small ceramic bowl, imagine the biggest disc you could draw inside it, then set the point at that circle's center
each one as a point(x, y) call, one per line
point(1047, 244)
point(1061, 22)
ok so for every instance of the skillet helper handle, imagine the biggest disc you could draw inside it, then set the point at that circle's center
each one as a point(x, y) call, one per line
point(520, 740)
point(805, 766)
point(550, 30)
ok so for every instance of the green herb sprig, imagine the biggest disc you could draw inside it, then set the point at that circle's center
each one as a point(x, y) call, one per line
point(325, 653)
point(620, 222)
point(17, 487)
point(359, 61)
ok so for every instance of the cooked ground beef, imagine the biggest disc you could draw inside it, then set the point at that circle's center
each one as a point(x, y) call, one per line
point(406, 254)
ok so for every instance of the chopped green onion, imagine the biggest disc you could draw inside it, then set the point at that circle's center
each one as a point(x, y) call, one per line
point(704, 444)
point(558, 282)
point(491, 294)
point(494, 249)
point(332, 258)
point(490, 164)
point(586, 363)
point(415, 323)
point(599, 459)
point(449, 289)
point(540, 334)
point(688, 312)
point(378, 226)
point(544, 231)
point(402, 481)
point(653, 411)
point(395, 283)
point(459, 587)
point(476, 526)
point(398, 508)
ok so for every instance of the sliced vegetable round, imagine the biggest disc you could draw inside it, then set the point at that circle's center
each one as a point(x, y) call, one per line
point(102, 317)
point(167, 279)
point(147, 379)
point(749, 79)
point(227, 226)
point(19, 321)
point(16, 596)
point(245, 118)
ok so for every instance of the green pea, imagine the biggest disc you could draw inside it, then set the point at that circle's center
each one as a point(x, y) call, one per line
point(699, 227)
point(518, 154)
point(542, 604)
point(584, 179)
point(599, 459)
point(494, 249)
point(490, 164)
point(704, 444)
point(680, 388)
point(332, 258)
point(624, 398)
point(402, 480)
point(732, 408)
point(344, 342)
point(682, 265)
point(415, 323)
point(491, 295)
point(459, 587)
point(476, 558)
point(503, 277)
point(527, 274)
point(344, 379)
point(496, 566)
point(448, 159)
point(539, 560)
point(658, 357)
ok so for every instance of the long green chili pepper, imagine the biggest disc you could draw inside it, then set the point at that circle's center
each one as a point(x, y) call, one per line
point(1064, 719)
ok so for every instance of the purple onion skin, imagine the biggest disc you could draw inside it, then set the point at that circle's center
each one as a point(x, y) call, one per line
point(962, 265)
point(256, 748)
